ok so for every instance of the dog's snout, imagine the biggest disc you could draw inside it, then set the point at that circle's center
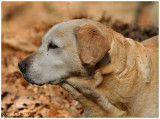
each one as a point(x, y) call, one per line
point(22, 65)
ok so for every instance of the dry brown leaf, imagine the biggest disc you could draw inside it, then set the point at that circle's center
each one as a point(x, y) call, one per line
point(19, 103)
point(64, 113)
point(20, 43)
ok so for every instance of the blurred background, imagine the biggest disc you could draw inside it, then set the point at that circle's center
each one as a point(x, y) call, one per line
point(23, 25)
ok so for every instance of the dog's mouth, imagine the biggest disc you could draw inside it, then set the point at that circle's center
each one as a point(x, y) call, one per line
point(58, 81)
point(52, 82)
point(31, 80)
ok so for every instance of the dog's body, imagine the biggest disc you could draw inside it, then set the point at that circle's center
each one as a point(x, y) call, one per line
point(101, 69)
point(151, 42)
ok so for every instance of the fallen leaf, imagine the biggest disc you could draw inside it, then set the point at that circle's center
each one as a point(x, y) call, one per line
point(20, 43)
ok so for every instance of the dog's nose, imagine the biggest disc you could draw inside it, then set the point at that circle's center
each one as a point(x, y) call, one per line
point(22, 65)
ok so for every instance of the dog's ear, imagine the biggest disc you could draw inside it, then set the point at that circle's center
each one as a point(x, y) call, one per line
point(92, 45)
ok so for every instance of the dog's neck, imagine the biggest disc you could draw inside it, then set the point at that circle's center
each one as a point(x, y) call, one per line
point(123, 55)
point(125, 65)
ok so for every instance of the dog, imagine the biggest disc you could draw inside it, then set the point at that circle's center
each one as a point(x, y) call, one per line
point(110, 75)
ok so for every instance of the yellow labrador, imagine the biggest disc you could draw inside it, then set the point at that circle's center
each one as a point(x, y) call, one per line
point(110, 75)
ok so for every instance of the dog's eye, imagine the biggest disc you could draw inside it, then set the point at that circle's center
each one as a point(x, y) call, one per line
point(52, 46)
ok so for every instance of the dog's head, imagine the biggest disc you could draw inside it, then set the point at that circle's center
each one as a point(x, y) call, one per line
point(68, 49)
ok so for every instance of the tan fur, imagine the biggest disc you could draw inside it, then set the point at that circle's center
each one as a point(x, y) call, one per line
point(130, 81)
point(92, 45)
point(151, 42)
point(110, 75)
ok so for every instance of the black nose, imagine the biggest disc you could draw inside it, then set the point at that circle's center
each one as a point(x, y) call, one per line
point(22, 65)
